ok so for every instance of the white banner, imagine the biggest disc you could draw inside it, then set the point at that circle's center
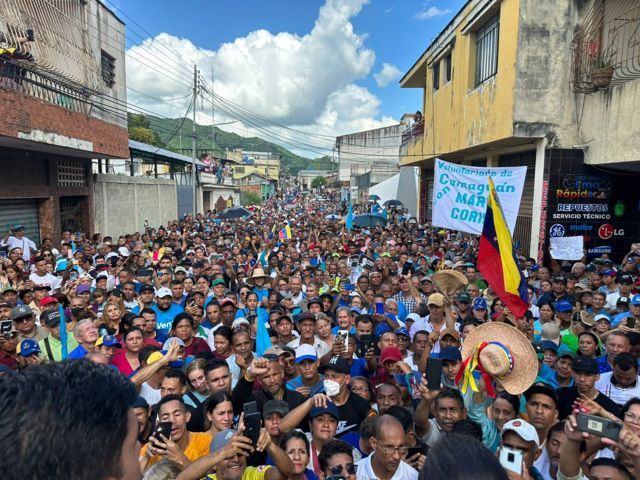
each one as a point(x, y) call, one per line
point(460, 195)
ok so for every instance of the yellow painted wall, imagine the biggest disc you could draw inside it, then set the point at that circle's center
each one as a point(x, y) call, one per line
point(270, 171)
point(459, 115)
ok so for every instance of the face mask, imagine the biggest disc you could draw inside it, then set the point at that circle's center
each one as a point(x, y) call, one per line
point(75, 311)
point(331, 388)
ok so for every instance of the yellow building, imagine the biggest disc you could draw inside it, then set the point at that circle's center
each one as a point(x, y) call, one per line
point(265, 164)
point(500, 89)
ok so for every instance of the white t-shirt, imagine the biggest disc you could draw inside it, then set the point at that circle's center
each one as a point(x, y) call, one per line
point(151, 395)
point(403, 472)
point(615, 393)
point(47, 279)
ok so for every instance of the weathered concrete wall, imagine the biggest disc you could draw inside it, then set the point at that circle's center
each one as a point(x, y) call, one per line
point(544, 104)
point(122, 204)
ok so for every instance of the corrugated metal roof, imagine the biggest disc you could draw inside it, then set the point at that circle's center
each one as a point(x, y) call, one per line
point(161, 152)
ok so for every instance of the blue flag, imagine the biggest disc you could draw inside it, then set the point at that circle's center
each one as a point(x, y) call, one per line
point(63, 333)
point(263, 342)
point(349, 220)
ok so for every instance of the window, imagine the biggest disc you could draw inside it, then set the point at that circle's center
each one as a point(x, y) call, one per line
point(436, 75)
point(239, 169)
point(447, 68)
point(487, 50)
point(108, 64)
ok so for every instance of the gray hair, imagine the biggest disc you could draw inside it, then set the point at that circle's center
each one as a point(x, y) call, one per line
point(390, 301)
point(162, 470)
point(78, 327)
point(346, 309)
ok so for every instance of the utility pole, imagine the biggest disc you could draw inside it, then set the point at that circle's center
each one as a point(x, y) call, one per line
point(193, 140)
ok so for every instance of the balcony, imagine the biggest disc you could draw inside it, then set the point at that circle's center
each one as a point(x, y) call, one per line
point(606, 49)
point(412, 141)
point(19, 75)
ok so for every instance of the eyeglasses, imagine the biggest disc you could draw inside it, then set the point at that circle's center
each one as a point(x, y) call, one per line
point(23, 319)
point(348, 468)
point(390, 450)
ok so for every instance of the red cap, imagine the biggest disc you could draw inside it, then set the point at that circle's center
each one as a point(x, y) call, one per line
point(48, 300)
point(390, 353)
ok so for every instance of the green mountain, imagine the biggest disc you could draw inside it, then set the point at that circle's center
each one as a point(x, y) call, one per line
point(175, 134)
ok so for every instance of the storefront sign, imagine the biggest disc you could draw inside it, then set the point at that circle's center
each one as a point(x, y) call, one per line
point(460, 195)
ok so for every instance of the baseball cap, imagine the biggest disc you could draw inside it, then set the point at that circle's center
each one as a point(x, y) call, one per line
point(282, 318)
point(564, 351)
point(549, 345)
point(330, 408)
point(337, 364)
point(622, 301)
point(542, 389)
point(306, 352)
point(147, 288)
point(585, 364)
point(47, 301)
point(21, 311)
point(180, 270)
point(314, 300)
point(227, 301)
point(163, 292)
point(464, 297)
point(140, 402)
point(610, 273)
point(217, 281)
point(602, 316)
point(276, 350)
point(154, 357)
point(275, 406)
point(479, 303)
point(50, 318)
point(450, 331)
point(84, 289)
point(635, 300)
point(560, 278)
point(240, 321)
point(7, 289)
point(564, 306)
point(451, 354)
point(402, 331)
point(626, 278)
point(306, 316)
point(170, 340)
point(108, 341)
point(27, 347)
point(436, 299)
point(390, 353)
point(523, 429)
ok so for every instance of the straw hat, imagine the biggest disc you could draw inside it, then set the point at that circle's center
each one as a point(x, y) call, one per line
point(256, 274)
point(449, 281)
point(508, 355)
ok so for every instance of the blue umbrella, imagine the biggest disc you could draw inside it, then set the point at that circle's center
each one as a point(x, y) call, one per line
point(234, 212)
point(374, 197)
point(369, 220)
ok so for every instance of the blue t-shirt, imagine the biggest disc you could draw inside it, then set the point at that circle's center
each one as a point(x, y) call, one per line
point(352, 330)
point(77, 353)
point(164, 318)
point(358, 367)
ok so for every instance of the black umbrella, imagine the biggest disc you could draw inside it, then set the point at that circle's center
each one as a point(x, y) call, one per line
point(369, 220)
point(393, 204)
point(234, 212)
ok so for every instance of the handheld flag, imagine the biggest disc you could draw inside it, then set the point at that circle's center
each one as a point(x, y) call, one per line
point(349, 220)
point(273, 231)
point(285, 232)
point(497, 258)
point(63, 333)
point(263, 342)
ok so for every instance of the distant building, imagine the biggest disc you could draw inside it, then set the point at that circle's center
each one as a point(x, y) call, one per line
point(62, 103)
point(258, 183)
point(264, 163)
point(305, 177)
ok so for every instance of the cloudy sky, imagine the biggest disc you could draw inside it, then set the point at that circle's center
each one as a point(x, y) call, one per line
point(328, 67)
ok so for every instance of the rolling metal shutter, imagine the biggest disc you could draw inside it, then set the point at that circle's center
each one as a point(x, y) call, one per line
point(522, 233)
point(24, 212)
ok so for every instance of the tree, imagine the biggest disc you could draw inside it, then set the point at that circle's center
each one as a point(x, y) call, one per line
point(248, 197)
point(318, 182)
point(145, 135)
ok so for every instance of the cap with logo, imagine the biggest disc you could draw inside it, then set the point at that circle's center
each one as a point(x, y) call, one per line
point(560, 279)
point(330, 408)
point(50, 318)
point(21, 311)
point(402, 331)
point(28, 347)
point(479, 303)
point(108, 341)
point(635, 300)
point(80, 289)
point(585, 364)
point(338, 365)
point(163, 292)
point(221, 440)
point(563, 306)
point(622, 301)
point(464, 297)
point(523, 429)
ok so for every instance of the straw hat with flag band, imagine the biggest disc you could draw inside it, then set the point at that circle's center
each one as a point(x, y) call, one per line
point(498, 351)
point(448, 282)
point(257, 274)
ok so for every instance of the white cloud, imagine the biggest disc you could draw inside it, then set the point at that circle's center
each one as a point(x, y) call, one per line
point(305, 81)
point(432, 12)
point(387, 74)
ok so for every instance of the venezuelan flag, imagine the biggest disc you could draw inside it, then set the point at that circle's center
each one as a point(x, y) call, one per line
point(285, 232)
point(497, 259)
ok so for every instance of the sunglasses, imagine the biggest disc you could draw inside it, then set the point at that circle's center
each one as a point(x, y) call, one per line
point(348, 468)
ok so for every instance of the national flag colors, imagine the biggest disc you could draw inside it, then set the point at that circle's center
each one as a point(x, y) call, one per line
point(497, 258)
point(348, 223)
point(285, 232)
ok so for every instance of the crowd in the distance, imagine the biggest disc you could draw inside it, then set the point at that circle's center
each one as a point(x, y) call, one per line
point(230, 351)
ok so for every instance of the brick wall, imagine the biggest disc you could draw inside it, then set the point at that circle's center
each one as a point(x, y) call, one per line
point(22, 113)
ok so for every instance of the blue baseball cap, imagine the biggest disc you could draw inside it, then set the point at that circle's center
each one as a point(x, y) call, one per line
point(635, 300)
point(451, 354)
point(479, 303)
point(549, 345)
point(28, 347)
point(402, 331)
point(108, 341)
point(563, 306)
point(330, 408)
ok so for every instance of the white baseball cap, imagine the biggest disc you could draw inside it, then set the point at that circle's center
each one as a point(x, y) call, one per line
point(240, 321)
point(523, 429)
point(163, 292)
point(306, 352)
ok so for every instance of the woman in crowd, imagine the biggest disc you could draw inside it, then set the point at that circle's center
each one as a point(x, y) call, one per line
point(219, 411)
point(323, 329)
point(589, 345)
point(296, 445)
point(363, 387)
point(199, 388)
point(126, 360)
point(183, 327)
point(109, 322)
point(222, 342)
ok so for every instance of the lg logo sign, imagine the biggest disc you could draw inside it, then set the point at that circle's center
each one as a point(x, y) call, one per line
point(606, 231)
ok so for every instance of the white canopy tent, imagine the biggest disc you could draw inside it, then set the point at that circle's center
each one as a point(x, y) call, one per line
point(403, 187)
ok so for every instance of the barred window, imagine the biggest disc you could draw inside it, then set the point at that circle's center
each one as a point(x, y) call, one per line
point(487, 50)
point(108, 69)
point(447, 68)
point(436, 75)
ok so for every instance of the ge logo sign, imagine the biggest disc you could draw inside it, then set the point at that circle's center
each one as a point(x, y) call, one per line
point(556, 230)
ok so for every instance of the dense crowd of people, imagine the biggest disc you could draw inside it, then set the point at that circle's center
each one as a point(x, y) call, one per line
point(286, 345)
